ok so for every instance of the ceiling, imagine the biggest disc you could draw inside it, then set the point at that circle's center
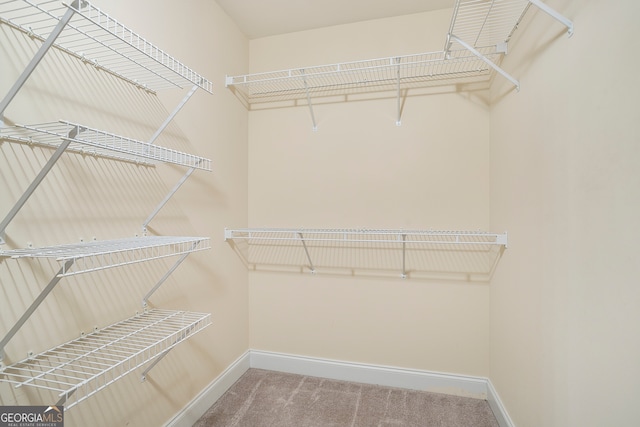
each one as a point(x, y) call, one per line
point(262, 18)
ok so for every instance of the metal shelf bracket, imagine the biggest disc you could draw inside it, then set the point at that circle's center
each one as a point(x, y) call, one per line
point(306, 88)
point(36, 303)
point(554, 14)
point(306, 251)
point(399, 101)
point(145, 299)
point(489, 62)
point(167, 197)
point(36, 182)
point(38, 56)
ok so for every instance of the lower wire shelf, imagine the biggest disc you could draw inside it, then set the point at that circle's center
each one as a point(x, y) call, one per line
point(82, 367)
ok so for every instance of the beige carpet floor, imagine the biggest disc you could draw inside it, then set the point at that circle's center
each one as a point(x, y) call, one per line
point(263, 398)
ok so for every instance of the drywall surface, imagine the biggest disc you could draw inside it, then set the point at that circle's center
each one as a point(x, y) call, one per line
point(565, 302)
point(86, 198)
point(361, 171)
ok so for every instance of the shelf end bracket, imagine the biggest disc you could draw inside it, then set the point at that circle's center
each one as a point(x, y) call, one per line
point(35, 183)
point(555, 15)
point(306, 251)
point(167, 197)
point(173, 114)
point(33, 64)
point(399, 106)
point(306, 88)
point(161, 356)
point(34, 305)
point(145, 299)
point(489, 62)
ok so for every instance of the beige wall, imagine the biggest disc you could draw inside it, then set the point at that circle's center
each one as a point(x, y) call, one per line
point(83, 198)
point(564, 179)
point(555, 165)
point(359, 170)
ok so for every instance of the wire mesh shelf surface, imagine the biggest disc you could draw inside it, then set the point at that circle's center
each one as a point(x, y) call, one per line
point(483, 23)
point(100, 255)
point(98, 39)
point(419, 70)
point(356, 236)
point(486, 25)
point(94, 142)
point(82, 367)
point(460, 255)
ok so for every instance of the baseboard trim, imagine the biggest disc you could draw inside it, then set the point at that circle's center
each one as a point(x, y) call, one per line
point(389, 376)
point(195, 409)
point(459, 385)
point(499, 411)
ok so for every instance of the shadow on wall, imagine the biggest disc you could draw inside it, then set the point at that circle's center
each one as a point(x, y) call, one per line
point(383, 255)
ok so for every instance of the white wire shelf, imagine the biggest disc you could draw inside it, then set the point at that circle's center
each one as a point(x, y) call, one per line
point(482, 23)
point(412, 252)
point(418, 70)
point(100, 255)
point(82, 367)
point(93, 142)
point(487, 23)
point(357, 236)
point(98, 39)
point(480, 29)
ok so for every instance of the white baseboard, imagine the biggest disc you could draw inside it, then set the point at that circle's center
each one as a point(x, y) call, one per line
point(388, 376)
point(499, 411)
point(191, 413)
point(412, 379)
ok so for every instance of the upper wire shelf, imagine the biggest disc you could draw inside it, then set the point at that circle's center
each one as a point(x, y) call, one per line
point(98, 39)
point(418, 70)
point(84, 366)
point(100, 255)
point(480, 29)
point(90, 141)
point(486, 23)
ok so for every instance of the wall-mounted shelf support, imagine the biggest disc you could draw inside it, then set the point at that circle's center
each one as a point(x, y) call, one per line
point(184, 256)
point(100, 255)
point(489, 62)
point(72, 133)
point(34, 305)
point(33, 64)
point(555, 15)
point(306, 251)
point(399, 101)
point(404, 256)
point(173, 114)
point(306, 88)
point(182, 336)
point(167, 198)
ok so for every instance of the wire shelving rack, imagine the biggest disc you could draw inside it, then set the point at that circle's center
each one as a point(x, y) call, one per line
point(80, 368)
